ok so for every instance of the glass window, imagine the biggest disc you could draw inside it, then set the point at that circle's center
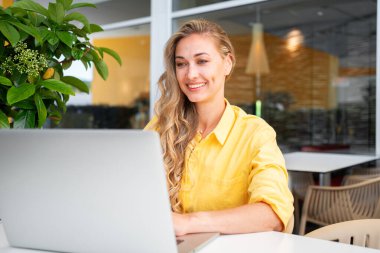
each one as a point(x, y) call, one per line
point(122, 101)
point(318, 89)
point(184, 4)
point(111, 11)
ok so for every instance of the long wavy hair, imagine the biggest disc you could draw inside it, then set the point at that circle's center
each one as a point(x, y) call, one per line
point(177, 118)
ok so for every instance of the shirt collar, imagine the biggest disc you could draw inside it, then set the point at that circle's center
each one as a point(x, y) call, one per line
point(224, 126)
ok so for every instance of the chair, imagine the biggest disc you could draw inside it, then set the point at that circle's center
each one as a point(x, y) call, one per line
point(299, 182)
point(365, 233)
point(360, 175)
point(326, 205)
point(354, 179)
point(367, 171)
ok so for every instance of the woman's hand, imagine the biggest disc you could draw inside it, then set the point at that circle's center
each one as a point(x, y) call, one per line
point(181, 223)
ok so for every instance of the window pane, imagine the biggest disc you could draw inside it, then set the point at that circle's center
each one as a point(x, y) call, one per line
point(122, 101)
point(111, 11)
point(319, 90)
point(184, 4)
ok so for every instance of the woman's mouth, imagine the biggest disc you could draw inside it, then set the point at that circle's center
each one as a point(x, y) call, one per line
point(196, 85)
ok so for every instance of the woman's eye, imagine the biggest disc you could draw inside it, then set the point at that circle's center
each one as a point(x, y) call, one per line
point(202, 61)
point(180, 64)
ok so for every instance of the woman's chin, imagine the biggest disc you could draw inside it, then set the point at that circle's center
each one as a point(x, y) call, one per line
point(196, 99)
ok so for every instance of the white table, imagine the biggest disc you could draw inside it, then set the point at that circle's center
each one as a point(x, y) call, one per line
point(276, 242)
point(268, 242)
point(323, 163)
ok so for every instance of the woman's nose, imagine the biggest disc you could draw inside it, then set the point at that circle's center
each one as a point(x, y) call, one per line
point(192, 72)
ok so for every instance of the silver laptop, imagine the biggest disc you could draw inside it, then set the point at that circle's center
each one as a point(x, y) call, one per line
point(86, 191)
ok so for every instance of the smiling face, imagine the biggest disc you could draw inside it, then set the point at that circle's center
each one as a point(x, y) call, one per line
point(201, 70)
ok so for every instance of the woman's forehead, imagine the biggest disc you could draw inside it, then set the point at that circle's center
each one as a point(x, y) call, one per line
point(197, 43)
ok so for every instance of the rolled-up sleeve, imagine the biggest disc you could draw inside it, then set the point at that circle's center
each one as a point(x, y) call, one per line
point(268, 179)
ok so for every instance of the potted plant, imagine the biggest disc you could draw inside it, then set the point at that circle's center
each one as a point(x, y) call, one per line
point(36, 45)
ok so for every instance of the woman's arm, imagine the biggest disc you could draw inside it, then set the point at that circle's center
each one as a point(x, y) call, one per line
point(243, 219)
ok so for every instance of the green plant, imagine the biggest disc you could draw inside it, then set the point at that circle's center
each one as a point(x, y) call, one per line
point(36, 45)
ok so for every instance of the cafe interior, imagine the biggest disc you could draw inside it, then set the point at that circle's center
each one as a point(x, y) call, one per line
point(313, 78)
point(307, 67)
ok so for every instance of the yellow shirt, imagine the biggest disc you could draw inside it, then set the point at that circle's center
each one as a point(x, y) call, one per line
point(239, 162)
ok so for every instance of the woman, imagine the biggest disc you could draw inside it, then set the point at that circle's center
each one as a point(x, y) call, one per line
point(224, 169)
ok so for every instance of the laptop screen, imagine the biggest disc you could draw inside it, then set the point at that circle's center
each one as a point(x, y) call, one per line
point(84, 191)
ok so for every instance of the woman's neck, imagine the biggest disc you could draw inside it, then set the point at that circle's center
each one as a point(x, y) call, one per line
point(209, 116)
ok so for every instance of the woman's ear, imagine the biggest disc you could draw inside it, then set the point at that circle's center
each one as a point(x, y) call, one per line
point(227, 64)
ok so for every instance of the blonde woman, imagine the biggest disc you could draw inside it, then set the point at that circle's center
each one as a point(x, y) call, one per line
point(225, 172)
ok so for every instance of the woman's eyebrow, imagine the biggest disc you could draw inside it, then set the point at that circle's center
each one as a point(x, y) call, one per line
point(196, 55)
point(199, 54)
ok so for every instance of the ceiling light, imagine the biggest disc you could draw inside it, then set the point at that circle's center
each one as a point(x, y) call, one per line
point(294, 40)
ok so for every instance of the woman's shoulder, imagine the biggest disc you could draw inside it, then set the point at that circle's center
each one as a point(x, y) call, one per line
point(249, 120)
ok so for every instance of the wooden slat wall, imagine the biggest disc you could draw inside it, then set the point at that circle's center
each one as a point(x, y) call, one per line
point(305, 73)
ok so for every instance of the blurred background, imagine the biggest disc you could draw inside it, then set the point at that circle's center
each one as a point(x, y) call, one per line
point(314, 72)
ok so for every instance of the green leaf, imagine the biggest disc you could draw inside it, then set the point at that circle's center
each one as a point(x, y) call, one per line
point(65, 98)
point(57, 85)
point(17, 12)
point(54, 114)
point(41, 110)
point(88, 57)
point(2, 48)
point(31, 6)
point(77, 53)
point(77, 83)
point(58, 70)
point(80, 32)
point(29, 105)
point(52, 39)
point(100, 51)
point(45, 33)
point(67, 4)
point(3, 94)
point(54, 46)
point(5, 81)
point(80, 5)
point(18, 78)
point(48, 94)
point(61, 105)
point(63, 50)
point(85, 63)
point(78, 17)
point(28, 29)
point(95, 56)
point(66, 38)
point(16, 94)
point(56, 12)
point(33, 17)
point(102, 69)
point(4, 123)
point(95, 28)
point(112, 53)
point(25, 119)
point(64, 3)
point(9, 32)
point(66, 64)
point(23, 35)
